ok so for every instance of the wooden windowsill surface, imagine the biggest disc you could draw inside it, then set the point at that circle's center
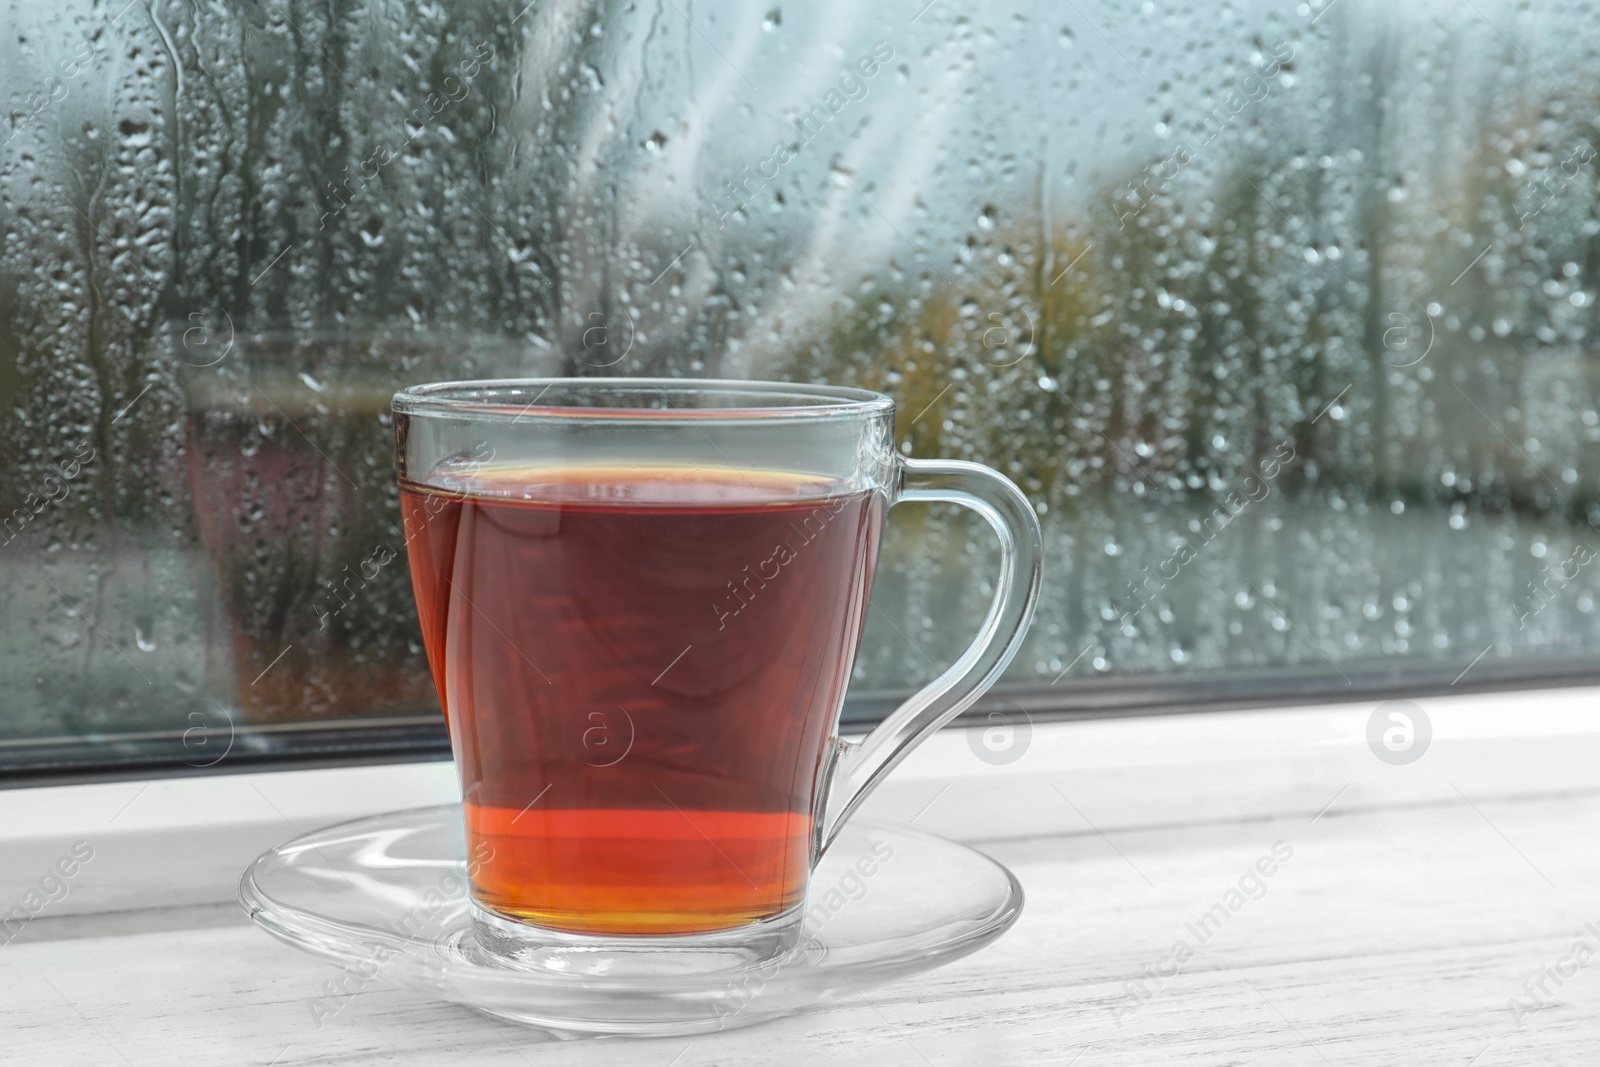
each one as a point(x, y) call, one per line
point(1413, 906)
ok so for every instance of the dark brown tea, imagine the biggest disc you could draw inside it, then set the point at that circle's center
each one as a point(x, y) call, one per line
point(640, 667)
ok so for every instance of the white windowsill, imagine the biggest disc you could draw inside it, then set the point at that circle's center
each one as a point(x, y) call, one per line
point(1421, 902)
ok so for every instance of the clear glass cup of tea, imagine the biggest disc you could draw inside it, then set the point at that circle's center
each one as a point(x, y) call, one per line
point(641, 600)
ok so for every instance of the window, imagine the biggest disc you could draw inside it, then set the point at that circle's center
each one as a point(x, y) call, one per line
point(1282, 315)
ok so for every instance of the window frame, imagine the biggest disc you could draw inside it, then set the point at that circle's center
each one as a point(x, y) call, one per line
point(423, 737)
point(177, 841)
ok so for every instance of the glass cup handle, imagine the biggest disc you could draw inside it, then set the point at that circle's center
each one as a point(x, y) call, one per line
point(858, 766)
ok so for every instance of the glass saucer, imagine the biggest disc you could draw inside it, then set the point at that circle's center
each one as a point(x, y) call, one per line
point(386, 896)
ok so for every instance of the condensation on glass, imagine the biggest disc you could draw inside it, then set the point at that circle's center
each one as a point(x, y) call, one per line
point(1283, 316)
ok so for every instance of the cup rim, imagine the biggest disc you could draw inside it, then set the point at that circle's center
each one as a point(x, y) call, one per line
point(485, 398)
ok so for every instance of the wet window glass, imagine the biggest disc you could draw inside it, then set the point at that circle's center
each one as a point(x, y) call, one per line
point(1282, 314)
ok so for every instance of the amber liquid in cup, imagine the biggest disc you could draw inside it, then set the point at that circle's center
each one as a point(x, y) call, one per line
point(640, 668)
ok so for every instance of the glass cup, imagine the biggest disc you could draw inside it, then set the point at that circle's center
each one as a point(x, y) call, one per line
point(641, 600)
